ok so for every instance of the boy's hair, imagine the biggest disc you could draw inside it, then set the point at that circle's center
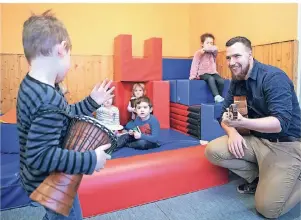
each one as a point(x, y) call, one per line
point(143, 99)
point(41, 33)
point(204, 36)
point(245, 41)
point(138, 85)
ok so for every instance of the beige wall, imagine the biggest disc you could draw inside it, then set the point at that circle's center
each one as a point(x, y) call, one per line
point(261, 23)
point(93, 27)
point(179, 25)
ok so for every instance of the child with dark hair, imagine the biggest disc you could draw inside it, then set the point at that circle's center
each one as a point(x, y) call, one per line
point(143, 132)
point(203, 67)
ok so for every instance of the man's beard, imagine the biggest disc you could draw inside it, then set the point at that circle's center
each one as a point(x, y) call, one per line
point(242, 75)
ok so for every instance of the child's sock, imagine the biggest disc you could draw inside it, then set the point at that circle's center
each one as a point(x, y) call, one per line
point(218, 98)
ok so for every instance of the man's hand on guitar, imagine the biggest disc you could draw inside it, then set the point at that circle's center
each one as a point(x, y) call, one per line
point(227, 119)
point(236, 144)
point(101, 156)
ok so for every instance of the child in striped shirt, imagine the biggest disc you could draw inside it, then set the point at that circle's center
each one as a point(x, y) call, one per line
point(108, 115)
point(47, 48)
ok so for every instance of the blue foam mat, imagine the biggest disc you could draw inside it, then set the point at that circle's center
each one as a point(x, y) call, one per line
point(169, 140)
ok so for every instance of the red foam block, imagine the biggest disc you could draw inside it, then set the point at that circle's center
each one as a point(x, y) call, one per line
point(179, 127)
point(122, 94)
point(10, 117)
point(127, 68)
point(179, 106)
point(178, 122)
point(132, 181)
point(179, 117)
point(179, 111)
point(158, 92)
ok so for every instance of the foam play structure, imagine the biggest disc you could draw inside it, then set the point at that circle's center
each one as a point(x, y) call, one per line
point(199, 121)
point(134, 177)
point(192, 108)
point(157, 91)
point(137, 180)
point(127, 68)
point(195, 92)
point(178, 166)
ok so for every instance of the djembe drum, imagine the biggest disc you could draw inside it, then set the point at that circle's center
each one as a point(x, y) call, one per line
point(58, 190)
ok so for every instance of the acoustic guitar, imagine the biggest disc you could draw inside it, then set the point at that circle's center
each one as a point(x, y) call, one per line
point(239, 105)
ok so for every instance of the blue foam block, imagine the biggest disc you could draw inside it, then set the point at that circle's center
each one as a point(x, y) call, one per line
point(175, 68)
point(210, 127)
point(12, 193)
point(196, 92)
point(9, 138)
point(173, 90)
point(169, 140)
point(193, 92)
point(208, 114)
point(226, 87)
point(217, 110)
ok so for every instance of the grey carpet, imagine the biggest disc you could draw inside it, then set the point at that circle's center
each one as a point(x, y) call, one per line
point(218, 203)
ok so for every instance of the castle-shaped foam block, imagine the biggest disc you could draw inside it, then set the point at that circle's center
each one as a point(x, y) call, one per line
point(127, 68)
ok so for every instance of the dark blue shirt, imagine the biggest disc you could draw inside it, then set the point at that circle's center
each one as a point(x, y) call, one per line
point(149, 128)
point(269, 92)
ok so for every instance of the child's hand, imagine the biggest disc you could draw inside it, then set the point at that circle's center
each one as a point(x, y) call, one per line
point(210, 48)
point(100, 92)
point(101, 156)
point(131, 132)
point(137, 135)
point(201, 51)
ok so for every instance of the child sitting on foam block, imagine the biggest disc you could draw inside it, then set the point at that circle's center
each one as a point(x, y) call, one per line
point(137, 92)
point(203, 67)
point(108, 115)
point(143, 132)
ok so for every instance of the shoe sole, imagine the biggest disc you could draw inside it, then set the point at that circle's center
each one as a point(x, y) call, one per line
point(244, 192)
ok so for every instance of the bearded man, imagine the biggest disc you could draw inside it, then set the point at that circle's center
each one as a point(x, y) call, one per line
point(269, 158)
